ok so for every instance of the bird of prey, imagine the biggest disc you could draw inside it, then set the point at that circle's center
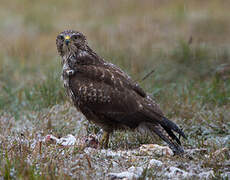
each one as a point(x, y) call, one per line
point(107, 96)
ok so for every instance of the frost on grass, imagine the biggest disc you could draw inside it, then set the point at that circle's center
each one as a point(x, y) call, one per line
point(59, 142)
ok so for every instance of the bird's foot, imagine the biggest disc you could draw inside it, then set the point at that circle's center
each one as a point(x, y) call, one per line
point(104, 140)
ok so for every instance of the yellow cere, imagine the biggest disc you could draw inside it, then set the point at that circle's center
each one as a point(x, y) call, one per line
point(67, 37)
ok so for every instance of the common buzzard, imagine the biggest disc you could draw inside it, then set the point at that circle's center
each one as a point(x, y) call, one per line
point(107, 96)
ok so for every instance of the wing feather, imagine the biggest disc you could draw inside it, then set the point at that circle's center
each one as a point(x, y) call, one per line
point(109, 93)
point(98, 67)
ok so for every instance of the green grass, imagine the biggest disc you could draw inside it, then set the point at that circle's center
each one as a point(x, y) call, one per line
point(46, 93)
point(37, 96)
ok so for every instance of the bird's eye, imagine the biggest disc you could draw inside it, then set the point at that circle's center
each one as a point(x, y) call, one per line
point(75, 36)
point(61, 37)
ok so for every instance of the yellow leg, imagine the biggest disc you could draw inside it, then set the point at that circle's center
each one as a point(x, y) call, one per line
point(104, 140)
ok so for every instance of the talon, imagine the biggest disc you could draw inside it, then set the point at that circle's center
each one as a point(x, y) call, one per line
point(104, 140)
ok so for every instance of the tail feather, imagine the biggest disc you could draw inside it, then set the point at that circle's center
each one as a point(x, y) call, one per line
point(164, 128)
point(171, 125)
point(169, 138)
point(171, 134)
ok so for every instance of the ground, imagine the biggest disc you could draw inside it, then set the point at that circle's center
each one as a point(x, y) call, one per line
point(187, 45)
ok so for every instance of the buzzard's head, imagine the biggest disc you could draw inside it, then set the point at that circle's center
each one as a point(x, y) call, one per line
point(70, 41)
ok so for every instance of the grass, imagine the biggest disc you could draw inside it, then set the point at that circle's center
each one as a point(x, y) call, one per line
point(42, 94)
point(186, 44)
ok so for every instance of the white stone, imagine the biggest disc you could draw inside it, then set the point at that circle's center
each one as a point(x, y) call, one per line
point(122, 175)
point(156, 149)
point(136, 170)
point(207, 175)
point(174, 172)
point(154, 162)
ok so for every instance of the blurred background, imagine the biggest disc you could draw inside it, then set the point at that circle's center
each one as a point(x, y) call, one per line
point(186, 43)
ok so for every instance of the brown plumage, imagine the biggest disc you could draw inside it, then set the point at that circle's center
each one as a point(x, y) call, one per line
point(107, 96)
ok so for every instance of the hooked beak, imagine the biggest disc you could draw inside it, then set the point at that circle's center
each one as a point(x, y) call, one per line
point(67, 40)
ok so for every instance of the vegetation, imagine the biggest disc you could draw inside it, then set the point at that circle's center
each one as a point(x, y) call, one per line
point(186, 43)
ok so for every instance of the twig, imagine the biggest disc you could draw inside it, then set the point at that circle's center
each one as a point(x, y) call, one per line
point(88, 160)
point(147, 75)
point(190, 40)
